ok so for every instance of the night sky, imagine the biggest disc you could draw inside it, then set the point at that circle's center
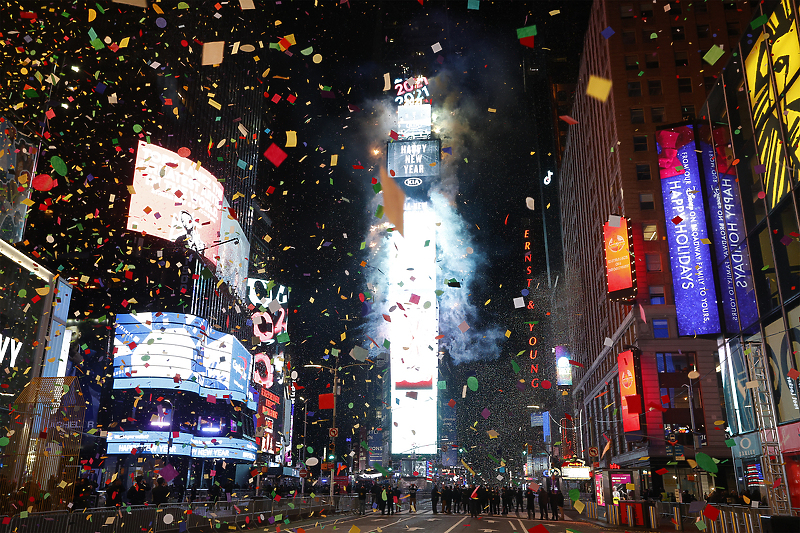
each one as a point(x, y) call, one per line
point(340, 109)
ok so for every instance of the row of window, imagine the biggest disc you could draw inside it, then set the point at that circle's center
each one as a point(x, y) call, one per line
point(647, 9)
point(654, 87)
point(651, 61)
point(678, 33)
point(658, 114)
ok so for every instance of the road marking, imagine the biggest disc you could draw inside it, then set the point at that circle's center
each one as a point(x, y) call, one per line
point(456, 524)
point(522, 525)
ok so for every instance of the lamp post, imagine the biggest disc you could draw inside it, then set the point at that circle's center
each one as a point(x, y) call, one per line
point(305, 432)
point(171, 418)
point(335, 369)
point(694, 374)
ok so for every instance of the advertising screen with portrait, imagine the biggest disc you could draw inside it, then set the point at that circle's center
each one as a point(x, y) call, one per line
point(175, 199)
point(233, 255)
point(179, 351)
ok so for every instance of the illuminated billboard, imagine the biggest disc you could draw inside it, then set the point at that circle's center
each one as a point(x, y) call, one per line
point(179, 351)
point(183, 444)
point(414, 348)
point(687, 232)
point(620, 264)
point(728, 231)
point(563, 366)
point(175, 199)
point(630, 401)
point(233, 256)
point(414, 165)
point(414, 121)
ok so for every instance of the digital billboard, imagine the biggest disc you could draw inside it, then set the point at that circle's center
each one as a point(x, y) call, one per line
point(628, 392)
point(179, 351)
point(563, 366)
point(414, 165)
point(184, 444)
point(687, 232)
point(414, 121)
point(232, 257)
point(620, 264)
point(175, 199)
point(414, 348)
point(728, 230)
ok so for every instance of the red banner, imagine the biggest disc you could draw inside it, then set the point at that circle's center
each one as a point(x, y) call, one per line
point(619, 270)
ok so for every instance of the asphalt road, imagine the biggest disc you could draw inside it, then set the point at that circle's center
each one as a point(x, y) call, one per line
point(426, 521)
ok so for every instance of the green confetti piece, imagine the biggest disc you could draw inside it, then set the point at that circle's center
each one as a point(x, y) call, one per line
point(653, 35)
point(442, 385)
point(713, 55)
point(282, 337)
point(350, 405)
point(310, 449)
point(4, 441)
point(730, 442)
point(705, 462)
point(183, 5)
point(377, 187)
point(379, 212)
point(759, 21)
point(427, 243)
point(472, 383)
point(515, 366)
point(527, 31)
point(307, 51)
point(426, 305)
point(58, 165)
point(574, 495)
point(23, 514)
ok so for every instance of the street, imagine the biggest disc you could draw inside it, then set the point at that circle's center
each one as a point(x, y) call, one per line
point(441, 523)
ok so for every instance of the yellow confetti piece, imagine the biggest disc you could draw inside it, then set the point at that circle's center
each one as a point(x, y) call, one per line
point(598, 88)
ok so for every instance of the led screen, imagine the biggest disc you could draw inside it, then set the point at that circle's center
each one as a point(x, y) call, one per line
point(728, 230)
point(233, 256)
point(620, 266)
point(627, 386)
point(563, 366)
point(178, 351)
point(414, 165)
point(413, 350)
point(175, 199)
point(184, 444)
point(414, 121)
point(687, 232)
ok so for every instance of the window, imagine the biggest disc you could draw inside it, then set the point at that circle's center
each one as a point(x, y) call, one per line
point(708, 82)
point(646, 199)
point(687, 112)
point(642, 171)
point(657, 115)
point(650, 232)
point(654, 87)
point(646, 9)
point(733, 29)
point(626, 11)
point(631, 63)
point(657, 295)
point(684, 85)
point(653, 262)
point(674, 9)
point(700, 7)
point(634, 88)
point(628, 37)
point(660, 328)
point(678, 34)
point(640, 144)
point(651, 60)
point(637, 115)
point(680, 363)
point(703, 31)
point(681, 59)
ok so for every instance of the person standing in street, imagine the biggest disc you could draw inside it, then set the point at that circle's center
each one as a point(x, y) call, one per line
point(362, 500)
point(382, 500)
point(474, 502)
point(396, 497)
point(160, 492)
point(530, 496)
point(553, 497)
point(435, 499)
point(544, 503)
point(412, 499)
point(390, 499)
point(520, 497)
point(456, 499)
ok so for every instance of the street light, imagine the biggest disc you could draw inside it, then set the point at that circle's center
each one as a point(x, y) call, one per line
point(171, 419)
point(694, 374)
point(335, 370)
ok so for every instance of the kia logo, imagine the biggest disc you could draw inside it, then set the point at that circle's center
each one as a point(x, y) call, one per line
point(413, 182)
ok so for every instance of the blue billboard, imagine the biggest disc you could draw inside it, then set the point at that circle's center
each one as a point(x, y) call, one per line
point(687, 232)
point(727, 224)
point(180, 352)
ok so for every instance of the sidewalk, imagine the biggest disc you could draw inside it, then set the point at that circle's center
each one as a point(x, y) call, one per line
point(572, 514)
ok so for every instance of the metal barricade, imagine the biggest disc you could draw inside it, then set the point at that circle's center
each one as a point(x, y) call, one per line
point(613, 515)
point(653, 516)
point(677, 517)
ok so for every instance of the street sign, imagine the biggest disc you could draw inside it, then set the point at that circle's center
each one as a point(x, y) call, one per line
point(303, 472)
point(333, 432)
point(594, 452)
point(326, 466)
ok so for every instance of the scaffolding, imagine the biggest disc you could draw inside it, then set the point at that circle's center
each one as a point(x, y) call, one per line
point(40, 464)
point(772, 463)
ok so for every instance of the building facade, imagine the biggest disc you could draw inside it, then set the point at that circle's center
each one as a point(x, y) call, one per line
point(653, 54)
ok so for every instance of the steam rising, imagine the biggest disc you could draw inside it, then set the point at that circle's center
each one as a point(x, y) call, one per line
point(452, 115)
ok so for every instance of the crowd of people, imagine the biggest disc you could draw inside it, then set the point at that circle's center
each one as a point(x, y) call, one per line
point(475, 500)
